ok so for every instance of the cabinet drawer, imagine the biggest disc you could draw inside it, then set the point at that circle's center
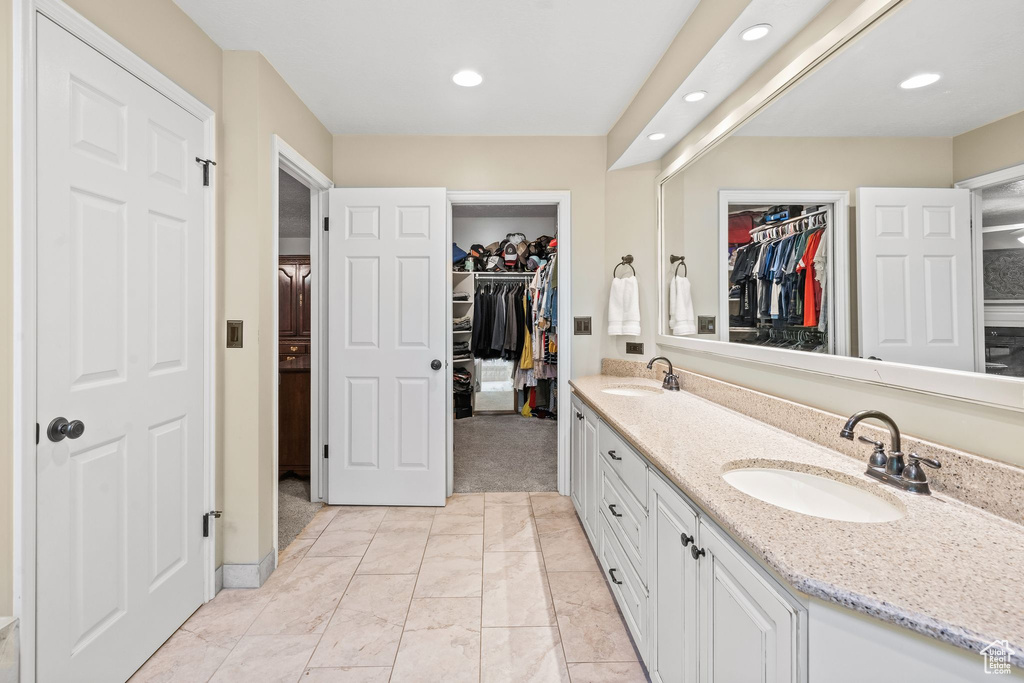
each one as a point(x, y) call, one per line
point(627, 519)
point(629, 592)
point(626, 463)
point(293, 348)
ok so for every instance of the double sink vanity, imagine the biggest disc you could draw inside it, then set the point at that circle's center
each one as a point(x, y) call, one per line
point(739, 551)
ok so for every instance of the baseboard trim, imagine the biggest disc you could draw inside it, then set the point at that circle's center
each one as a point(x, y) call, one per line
point(247, 575)
point(218, 579)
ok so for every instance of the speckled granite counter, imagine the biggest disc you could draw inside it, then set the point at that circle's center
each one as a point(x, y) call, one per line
point(946, 569)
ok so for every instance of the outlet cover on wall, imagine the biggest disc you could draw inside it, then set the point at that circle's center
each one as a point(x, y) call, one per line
point(635, 347)
point(705, 324)
point(581, 325)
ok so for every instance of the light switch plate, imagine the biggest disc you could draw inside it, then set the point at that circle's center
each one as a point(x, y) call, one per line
point(635, 347)
point(705, 324)
point(581, 325)
point(234, 334)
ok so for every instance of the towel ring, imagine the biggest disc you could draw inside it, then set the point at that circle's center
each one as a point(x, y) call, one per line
point(627, 260)
point(682, 262)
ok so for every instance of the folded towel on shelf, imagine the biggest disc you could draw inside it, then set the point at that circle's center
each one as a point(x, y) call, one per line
point(460, 296)
point(624, 307)
point(681, 320)
point(463, 323)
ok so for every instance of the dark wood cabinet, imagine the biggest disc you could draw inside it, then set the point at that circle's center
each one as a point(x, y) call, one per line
point(294, 281)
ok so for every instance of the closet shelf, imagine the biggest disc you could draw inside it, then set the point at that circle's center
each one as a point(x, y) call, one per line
point(462, 331)
point(457, 301)
point(462, 360)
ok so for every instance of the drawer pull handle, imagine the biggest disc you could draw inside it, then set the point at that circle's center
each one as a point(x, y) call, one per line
point(611, 509)
point(687, 540)
point(295, 348)
point(611, 454)
point(611, 573)
point(696, 552)
point(579, 415)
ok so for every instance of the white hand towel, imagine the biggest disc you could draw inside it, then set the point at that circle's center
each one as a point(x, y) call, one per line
point(624, 307)
point(681, 319)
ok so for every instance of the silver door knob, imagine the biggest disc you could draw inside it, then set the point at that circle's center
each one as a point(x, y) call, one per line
point(435, 364)
point(60, 429)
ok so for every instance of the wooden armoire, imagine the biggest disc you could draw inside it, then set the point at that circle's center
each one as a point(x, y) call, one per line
point(294, 326)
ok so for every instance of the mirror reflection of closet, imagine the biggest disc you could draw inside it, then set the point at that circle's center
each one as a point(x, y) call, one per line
point(929, 272)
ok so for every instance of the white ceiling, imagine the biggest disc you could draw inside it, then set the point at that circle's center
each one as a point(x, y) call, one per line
point(550, 67)
point(1003, 204)
point(977, 47)
point(725, 67)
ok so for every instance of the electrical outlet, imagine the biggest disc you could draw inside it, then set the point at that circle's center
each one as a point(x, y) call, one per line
point(234, 334)
point(635, 347)
point(705, 324)
point(581, 325)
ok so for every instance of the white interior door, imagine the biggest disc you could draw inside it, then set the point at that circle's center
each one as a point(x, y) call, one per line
point(120, 348)
point(387, 319)
point(916, 302)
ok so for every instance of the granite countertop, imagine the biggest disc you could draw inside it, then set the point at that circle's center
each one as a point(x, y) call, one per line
point(946, 569)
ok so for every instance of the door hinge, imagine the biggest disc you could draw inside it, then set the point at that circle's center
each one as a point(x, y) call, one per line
point(325, 452)
point(206, 521)
point(327, 223)
point(206, 169)
point(37, 433)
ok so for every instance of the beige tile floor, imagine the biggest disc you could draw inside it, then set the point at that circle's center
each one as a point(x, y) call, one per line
point(492, 588)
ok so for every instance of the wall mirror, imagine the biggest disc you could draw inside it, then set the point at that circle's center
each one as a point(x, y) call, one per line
point(846, 228)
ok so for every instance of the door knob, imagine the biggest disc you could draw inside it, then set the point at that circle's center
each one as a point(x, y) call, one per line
point(435, 364)
point(60, 428)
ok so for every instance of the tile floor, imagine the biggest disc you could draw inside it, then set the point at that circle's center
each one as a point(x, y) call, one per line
point(493, 587)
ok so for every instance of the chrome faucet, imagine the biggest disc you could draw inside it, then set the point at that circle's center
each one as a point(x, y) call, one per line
point(891, 468)
point(671, 382)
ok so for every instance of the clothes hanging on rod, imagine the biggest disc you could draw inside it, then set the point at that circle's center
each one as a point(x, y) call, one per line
point(779, 278)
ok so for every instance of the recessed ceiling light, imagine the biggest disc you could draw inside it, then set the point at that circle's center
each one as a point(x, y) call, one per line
point(756, 32)
point(695, 96)
point(656, 136)
point(467, 79)
point(919, 81)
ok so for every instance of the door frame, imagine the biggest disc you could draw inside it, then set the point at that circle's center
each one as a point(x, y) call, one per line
point(25, 14)
point(285, 157)
point(562, 198)
point(839, 260)
point(976, 185)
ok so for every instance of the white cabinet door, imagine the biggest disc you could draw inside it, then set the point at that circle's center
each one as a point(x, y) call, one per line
point(590, 474)
point(120, 348)
point(576, 473)
point(389, 259)
point(916, 289)
point(748, 631)
point(672, 576)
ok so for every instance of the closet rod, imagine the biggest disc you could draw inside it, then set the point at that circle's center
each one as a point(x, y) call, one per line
point(764, 227)
point(504, 275)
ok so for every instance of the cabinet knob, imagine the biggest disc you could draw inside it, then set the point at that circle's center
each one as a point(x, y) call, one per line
point(611, 454)
point(611, 509)
point(294, 348)
point(611, 573)
point(696, 552)
point(579, 415)
point(687, 540)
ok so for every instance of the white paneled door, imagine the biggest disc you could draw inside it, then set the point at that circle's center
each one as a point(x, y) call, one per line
point(388, 305)
point(916, 302)
point(120, 350)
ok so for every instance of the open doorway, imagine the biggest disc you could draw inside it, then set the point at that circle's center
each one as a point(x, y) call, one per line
point(505, 351)
point(298, 400)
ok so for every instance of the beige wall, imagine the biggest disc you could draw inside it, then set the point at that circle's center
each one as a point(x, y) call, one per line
point(252, 102)
point(576, 164)
point(996, 146)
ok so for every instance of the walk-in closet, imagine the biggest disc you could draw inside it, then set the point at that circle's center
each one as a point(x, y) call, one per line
point(504, 347)
point(778, 275)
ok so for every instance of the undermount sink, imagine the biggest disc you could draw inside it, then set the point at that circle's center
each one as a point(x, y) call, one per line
point(814, 495)
point(634, 390)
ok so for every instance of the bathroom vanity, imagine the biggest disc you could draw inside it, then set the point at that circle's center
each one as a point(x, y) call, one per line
point(719, 585)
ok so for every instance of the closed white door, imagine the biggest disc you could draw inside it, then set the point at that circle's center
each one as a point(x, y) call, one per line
point(916, 302)
point(120, 349)
point(388, 303)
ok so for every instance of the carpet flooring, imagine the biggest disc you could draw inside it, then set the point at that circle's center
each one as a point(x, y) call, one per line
point(505, 453)
point(295, 510)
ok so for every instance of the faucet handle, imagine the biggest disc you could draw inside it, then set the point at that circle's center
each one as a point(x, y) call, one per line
point(879, 446)
point(878, 458)
point(931, 462)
